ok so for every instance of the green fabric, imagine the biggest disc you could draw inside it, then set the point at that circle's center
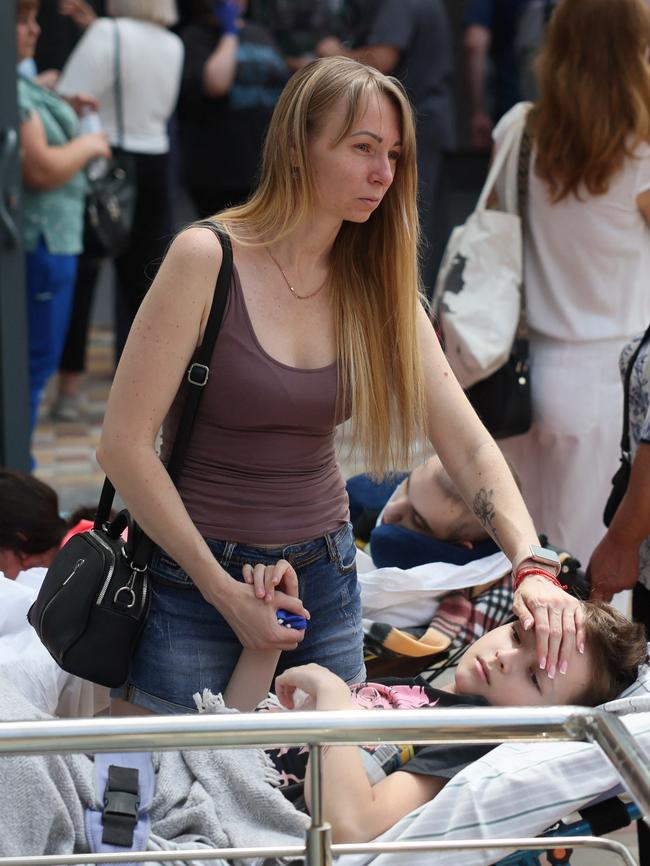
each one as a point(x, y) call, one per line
point(57, 214)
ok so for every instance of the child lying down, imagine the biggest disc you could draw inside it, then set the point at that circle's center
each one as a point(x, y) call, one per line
point(366, 791)
point(190, 807)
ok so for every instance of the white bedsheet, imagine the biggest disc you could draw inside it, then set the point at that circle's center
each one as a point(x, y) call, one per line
point(409, 597)
point(26, 662)
point(518, 789)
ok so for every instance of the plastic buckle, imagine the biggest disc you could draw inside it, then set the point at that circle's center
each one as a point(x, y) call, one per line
point(121, 803)
point(198, 374)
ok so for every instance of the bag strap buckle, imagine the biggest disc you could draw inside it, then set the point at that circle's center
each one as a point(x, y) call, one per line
point(121, 803)
point(198, 374)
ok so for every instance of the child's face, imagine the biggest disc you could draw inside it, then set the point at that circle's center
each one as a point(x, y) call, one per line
point(502, 667)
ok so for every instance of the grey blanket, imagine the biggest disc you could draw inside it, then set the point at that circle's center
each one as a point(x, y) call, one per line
point(219, 798)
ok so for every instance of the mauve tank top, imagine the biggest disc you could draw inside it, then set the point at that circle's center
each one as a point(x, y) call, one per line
point(261, 466)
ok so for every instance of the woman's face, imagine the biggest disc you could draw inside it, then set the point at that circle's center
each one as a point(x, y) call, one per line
point(27, 33)
point(352, 177)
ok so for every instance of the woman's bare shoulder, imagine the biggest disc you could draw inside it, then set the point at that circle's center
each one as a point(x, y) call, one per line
point(196, 245)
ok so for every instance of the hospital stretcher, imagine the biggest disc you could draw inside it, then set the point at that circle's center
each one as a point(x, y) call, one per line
point(483, 725)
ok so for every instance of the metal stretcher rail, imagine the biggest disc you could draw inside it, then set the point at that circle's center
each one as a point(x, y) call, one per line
point(478, 725)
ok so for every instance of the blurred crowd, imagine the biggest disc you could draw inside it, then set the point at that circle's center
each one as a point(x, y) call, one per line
point(197, 82)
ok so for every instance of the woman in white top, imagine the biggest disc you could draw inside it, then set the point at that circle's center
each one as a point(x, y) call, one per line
point(587, 257)
point(151, 60)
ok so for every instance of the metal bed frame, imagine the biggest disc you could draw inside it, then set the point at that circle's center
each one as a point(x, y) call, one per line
point(481, 725)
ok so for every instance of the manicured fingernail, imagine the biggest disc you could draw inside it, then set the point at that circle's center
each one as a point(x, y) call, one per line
point(564, 667)
point(581, 648)
point(551, 672)
point(542, 664)
point(528, 623)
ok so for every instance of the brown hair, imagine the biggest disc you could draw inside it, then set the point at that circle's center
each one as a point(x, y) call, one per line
point(374, 280)
point(29, 514)
point(617, 648)
point(594, 93)
point(23, 7)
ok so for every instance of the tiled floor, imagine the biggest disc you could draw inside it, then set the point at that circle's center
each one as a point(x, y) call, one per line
point(65, 452)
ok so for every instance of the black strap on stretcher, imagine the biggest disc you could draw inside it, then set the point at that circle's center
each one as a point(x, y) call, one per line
point(121, 802)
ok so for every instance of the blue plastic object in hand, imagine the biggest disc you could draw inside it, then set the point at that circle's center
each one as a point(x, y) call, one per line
point(227, 13)
point(291, 620)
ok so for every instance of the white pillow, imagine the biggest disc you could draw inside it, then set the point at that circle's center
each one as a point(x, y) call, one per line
point(518, 789)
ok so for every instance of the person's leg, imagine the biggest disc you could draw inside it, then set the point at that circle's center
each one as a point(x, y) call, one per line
point(73, 358)
point(137, 266)
point(50, 287)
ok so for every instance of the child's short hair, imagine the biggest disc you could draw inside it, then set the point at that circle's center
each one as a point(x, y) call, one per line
point(617, 647)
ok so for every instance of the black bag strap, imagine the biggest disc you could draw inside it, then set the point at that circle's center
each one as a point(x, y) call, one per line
point(117, 88)
point(139, 546)
point(625, 436)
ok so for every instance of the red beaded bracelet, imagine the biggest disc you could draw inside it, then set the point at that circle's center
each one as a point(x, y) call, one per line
point(524, 572)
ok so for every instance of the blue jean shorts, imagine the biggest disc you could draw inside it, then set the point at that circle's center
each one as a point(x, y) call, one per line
point(187, 645)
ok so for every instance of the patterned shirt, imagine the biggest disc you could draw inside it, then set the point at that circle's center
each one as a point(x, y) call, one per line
point(639, 415)
point(56, 214)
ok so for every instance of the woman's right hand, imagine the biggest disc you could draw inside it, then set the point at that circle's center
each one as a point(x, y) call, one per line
point(79, 11)
point(97, 145)
point(254, 623)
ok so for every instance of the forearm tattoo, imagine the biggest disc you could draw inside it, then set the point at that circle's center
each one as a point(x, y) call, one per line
point(484, 509)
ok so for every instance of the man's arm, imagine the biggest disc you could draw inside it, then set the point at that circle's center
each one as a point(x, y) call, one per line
point(383, 57)
point(476, 46)
point(614, 564)
point(388, 37)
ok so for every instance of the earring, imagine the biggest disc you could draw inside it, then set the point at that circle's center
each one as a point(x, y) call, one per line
point(295, 174)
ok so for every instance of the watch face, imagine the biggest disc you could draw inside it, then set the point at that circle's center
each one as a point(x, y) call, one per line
point(543, 554)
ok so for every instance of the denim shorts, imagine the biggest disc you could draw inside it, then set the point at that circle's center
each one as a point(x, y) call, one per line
point(187, 645)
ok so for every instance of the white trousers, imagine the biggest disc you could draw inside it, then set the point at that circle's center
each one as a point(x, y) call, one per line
point(567, 459)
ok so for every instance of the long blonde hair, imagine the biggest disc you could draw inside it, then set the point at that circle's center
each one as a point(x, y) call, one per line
point(594, 85)
point(374, 282)
point(163, 12)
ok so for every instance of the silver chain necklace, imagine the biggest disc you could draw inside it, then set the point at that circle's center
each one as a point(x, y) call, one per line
point(289, 286)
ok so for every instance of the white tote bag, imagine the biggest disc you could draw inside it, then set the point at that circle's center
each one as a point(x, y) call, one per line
point(477, 296)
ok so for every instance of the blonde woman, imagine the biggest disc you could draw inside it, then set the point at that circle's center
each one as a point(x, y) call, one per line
point(323, 321)
point(587, 257)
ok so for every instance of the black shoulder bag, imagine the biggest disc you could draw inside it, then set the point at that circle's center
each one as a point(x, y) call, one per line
point(111, 198)
point(622, 477)
point(94, 600)
point(503, 401)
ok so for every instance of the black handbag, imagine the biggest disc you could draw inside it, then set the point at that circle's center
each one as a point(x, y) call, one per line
point(503, 401)
point(111, 198)
point(94, 600)
point(621, 478)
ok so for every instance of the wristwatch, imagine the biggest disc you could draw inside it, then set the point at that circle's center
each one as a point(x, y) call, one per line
point(544, 556)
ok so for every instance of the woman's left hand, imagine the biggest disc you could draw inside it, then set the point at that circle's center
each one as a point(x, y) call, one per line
point(48, 78)
point(267, 578)
point(82, 102)
point(558, 620)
